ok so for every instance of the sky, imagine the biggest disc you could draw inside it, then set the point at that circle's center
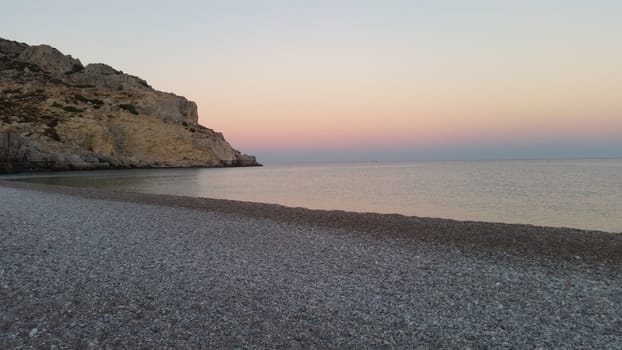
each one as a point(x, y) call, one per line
point(320, 80)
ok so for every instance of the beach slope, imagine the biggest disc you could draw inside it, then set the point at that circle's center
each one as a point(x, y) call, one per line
point(82, 268)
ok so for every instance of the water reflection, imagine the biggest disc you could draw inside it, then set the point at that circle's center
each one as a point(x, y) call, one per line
point(582, 194)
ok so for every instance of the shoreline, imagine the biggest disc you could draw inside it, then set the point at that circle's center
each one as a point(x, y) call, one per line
point(473, 237)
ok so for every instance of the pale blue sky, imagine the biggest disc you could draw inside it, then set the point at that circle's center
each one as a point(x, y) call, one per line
point(364, 79)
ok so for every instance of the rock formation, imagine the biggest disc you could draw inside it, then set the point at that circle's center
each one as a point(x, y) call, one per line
point(56, 114)
point(49, 59)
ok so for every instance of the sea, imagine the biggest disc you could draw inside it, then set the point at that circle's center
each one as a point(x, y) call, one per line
point(585, 194)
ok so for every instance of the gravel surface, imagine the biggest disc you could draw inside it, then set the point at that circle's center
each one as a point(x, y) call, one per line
point(84, 272)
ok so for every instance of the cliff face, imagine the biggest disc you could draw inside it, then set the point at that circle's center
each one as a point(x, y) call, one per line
point(56, 114)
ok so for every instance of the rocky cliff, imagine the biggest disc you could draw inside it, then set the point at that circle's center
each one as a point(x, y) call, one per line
point(56, 114)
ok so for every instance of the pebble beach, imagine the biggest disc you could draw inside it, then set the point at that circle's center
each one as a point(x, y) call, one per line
point(93, 269)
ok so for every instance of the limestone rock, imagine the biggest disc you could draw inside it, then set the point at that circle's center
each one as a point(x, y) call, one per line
point(100, 69)
point(103, 76)
point(50, 59)
point(96, 117)
point(11, 48)
point(152, 102)
point(168, 106)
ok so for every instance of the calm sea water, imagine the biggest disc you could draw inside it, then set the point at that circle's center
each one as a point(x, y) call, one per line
point(583, 194)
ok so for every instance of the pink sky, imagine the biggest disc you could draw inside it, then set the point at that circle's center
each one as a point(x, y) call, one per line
point(392, 111)
point(324, 75)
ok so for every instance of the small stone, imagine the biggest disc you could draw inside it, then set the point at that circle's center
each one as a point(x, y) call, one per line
point(33, 332)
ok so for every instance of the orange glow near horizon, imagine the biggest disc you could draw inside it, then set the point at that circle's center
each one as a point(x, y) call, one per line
point(272, 119)
point(349, 105)
point(412, 80)
point(323, 74)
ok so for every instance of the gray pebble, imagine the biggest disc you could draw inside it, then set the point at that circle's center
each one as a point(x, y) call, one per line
point(93, 273)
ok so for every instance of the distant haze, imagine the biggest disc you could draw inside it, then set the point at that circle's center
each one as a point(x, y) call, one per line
point(365, 80)
point(576, 149)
